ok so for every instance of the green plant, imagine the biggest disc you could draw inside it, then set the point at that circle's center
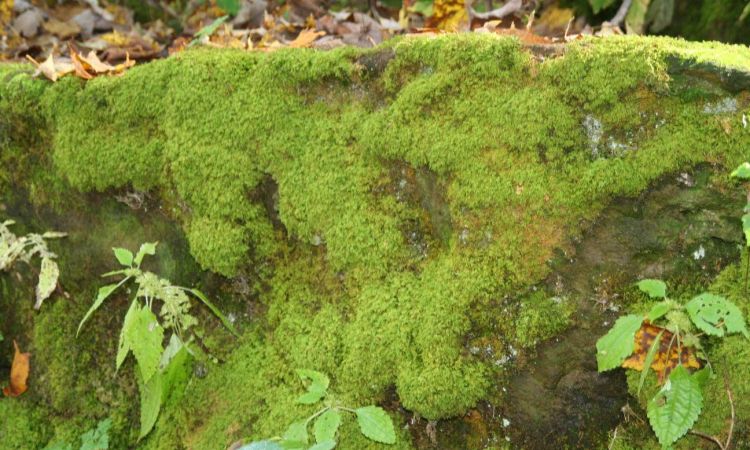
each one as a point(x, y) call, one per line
point(24, 248)
point(94, 439)
point(670, 338)
point(160, 369)
point(743, 173)
point(204, 33)
point(374, 422)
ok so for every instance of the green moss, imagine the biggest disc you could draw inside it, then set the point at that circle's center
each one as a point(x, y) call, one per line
point(217, 244)
point(21, 426)
point(297, 170)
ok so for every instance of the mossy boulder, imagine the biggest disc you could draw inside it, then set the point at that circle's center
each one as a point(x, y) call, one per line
point(375, 206)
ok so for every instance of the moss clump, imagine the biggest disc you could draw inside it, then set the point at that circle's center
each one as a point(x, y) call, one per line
point(367, 271)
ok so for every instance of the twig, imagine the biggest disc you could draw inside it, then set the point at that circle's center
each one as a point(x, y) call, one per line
point(621, 13)
point(709, 438)
point(731, 409)
point(715, 439)
point(614, 438)
point(513, 6)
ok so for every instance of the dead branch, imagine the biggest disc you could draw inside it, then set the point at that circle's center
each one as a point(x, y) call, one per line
point(511, 7)
point(621, 13)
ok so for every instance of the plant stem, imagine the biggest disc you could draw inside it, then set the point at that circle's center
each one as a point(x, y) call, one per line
point(344, 408)
point(309, 419)
point(709, 438)
point(714, 439)
point(747, 268)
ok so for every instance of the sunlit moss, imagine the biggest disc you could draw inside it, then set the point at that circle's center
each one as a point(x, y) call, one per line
point(366, 272)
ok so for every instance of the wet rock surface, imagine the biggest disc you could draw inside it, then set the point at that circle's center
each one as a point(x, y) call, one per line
point(684, 230)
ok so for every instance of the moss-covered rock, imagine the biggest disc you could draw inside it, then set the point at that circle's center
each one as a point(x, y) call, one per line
point(414, 185)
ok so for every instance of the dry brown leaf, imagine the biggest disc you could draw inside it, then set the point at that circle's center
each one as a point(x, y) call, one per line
point(96, 64)
point(61, 29)
point(306, 38)
point(19, 373)
point(52, 69)
point(81, 70)
point(668, 355)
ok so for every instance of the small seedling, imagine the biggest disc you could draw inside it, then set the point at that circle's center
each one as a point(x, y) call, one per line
point(374, 422)
point(143, 333)
point(668, 340)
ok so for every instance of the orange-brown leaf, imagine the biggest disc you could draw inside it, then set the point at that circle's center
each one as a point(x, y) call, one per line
point(81, 68)
point(19, 373)
point(306, 38)
point(669, 353)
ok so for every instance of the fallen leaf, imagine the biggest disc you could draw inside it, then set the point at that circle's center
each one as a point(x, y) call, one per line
point(668, 356)
point(61, 29)
point(449, 15)
point(52, 69)
point(87, 67)
point(19, 373)
point(80, 67)
point(306, 38)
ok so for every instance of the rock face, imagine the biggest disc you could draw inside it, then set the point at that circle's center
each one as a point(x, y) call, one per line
point(381, 213)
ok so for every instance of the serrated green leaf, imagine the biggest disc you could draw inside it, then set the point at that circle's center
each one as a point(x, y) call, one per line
point(124, 256)
point(317, 379)
point(325, 445)
point(297, 432)
point(654, 288)
point(326, 426)
point(175, 369)
point(293, 445)
point(598, 5)
point(674, 410)
point(742, 171)
point(148, 248)
point(104, 292)
point(202, 297)
point(145, 336)
point(311, 397)
point(319, 383)
point(649, 360)
point(658, 311)
point(123, 348)
point(376, 424)
point(48, 275)
point(151, 396)
point(262, 445)
point(713, 314)
point(618, 343)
